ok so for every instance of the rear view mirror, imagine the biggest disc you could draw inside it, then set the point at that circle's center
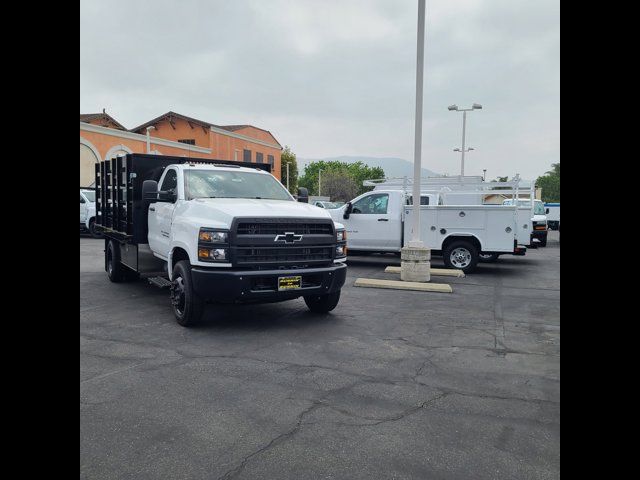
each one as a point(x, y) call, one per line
point(303, 195)
point(347, 210)
point(547, 210)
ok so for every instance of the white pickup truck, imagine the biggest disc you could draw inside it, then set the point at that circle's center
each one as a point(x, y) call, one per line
point(88, 211)
point(380, 221)
point(212, 232)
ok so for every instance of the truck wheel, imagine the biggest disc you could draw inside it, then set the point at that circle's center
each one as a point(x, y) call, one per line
point(543, 241)
point(461, 255)
point(322, 303)
point(489, 257)
point(115, 269)
point(92, 229)
point(187, 306)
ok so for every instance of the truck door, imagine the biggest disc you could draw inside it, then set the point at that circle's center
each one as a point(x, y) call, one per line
point(160, 216)
point(372, 224)
point(83, 209)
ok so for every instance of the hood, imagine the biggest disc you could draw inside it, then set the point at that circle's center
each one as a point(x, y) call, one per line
point(224, 210)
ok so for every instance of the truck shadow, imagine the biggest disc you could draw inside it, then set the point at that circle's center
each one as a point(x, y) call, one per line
point(261, 317)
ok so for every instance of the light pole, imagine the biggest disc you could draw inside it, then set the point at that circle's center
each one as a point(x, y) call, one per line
point(475, 106)
point(415, 264)
point(484, 174)
point(319, 177)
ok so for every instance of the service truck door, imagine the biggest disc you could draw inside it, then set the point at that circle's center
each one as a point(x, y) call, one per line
point(160, 216)
point(374, 223)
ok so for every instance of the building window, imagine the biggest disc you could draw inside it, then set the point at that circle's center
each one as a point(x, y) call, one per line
point(259, 157)
point(188, 141)
point(270, 160)
point(246, 155)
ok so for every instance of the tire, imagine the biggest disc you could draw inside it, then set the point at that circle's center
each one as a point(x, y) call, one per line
point(322, 303)
point(543, 241)
point(92, 229)
point(488, 257)
point(461, 255)
point(187, 306)
point(115, 269)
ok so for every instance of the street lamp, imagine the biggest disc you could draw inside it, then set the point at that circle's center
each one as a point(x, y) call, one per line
point(484, 174)
point(454, 107)
point(319, 177)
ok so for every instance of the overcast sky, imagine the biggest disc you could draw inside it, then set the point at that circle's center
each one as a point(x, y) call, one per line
point(337, 77)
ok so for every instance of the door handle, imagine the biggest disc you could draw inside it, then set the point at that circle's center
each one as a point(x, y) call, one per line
point(152, 209)
point(383, 219)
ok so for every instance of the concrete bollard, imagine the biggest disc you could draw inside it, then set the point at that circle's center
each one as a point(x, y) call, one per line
point(414, 264)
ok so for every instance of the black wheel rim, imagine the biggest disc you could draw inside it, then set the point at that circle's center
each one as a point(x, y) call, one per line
point(177, 295)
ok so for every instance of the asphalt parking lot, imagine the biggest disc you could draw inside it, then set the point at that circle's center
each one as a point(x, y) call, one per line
point(391, 384)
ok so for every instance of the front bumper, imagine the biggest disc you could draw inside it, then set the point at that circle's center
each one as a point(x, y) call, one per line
point(539, 234)
point(261, 286)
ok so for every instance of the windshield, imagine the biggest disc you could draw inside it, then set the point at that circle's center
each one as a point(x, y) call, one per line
point(538, 208)
point(230, 184)
point(332, 204)
point(90, 194)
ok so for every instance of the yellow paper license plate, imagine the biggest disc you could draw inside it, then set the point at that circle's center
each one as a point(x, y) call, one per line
point(289, 283)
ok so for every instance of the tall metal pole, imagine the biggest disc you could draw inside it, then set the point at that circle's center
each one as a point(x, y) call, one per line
point(417, 151)
point(464, 127)
point(319, 176)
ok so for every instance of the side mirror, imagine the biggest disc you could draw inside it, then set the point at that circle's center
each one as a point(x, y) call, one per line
point(347, 210)
point(546, 210)
point(303, 195)
point(149, 191)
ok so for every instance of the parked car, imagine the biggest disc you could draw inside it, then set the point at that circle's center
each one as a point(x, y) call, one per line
point(328, 205)
point(538, 218)
point(88, 212)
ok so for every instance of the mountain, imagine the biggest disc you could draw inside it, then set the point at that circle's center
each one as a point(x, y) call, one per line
point(392, 166)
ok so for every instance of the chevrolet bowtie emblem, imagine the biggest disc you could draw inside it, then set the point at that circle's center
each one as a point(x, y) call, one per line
point(288, 237)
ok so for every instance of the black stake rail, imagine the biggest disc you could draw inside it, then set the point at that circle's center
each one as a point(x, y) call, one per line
point(121, 212)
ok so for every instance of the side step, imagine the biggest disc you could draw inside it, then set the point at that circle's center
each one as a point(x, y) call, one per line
point(159, 282)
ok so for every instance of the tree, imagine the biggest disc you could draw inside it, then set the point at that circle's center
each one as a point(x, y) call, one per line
point(289, 158)
point(357, 171)
point(550, 184)
point(339, 186)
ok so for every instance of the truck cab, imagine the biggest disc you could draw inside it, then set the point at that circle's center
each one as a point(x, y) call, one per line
point(218, 234)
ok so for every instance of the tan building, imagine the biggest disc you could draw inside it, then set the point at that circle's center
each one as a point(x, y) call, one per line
point(102, 137)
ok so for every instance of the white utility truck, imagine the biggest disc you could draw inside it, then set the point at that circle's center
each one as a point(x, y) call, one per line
point(553, 215)
point(88, 211)
point(473, 190)
point(535, 216)
point(212, 231)
point(380, 221)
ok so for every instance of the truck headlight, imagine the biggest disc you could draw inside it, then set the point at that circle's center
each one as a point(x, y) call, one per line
point(212, 254)
point(341, 235)
point(209, 235)
point(341, 251)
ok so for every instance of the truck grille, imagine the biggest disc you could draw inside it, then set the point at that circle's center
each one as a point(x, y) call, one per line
point(251, 228)
point(283, 255)
point(253, 243)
